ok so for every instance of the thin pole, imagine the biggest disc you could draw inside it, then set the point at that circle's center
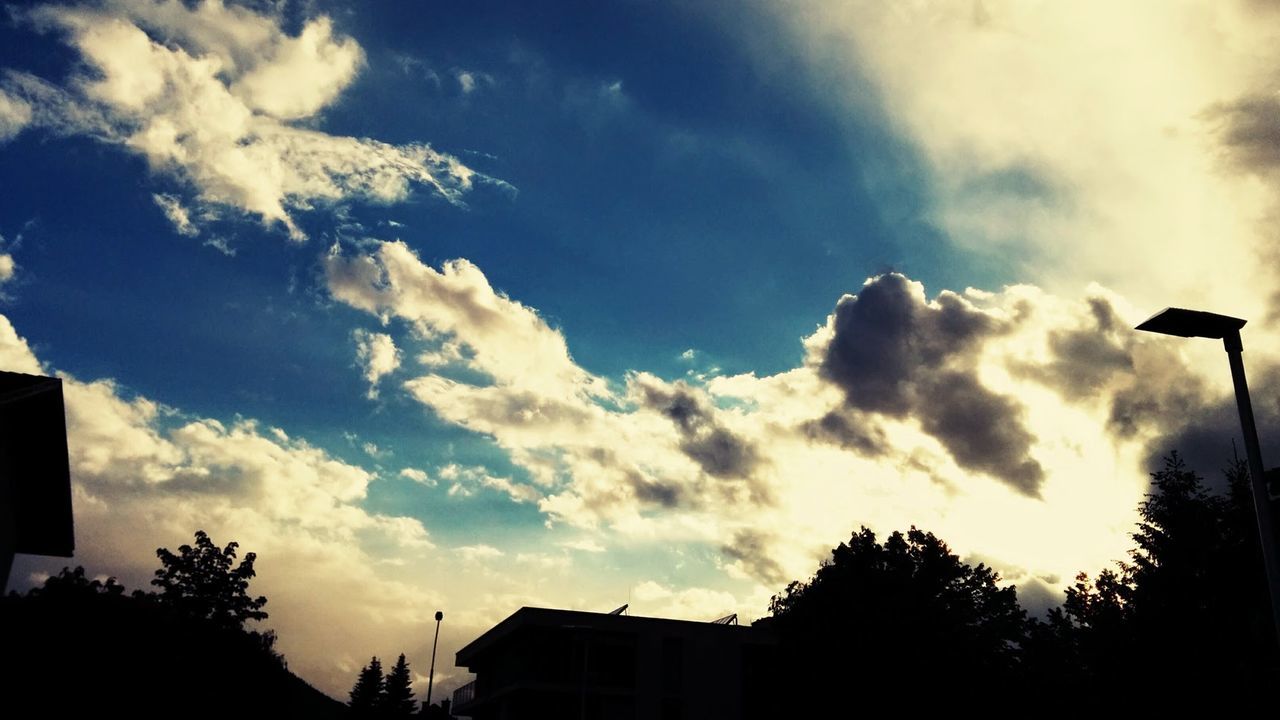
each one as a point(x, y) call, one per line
point(431, 677)
point(1257, 476)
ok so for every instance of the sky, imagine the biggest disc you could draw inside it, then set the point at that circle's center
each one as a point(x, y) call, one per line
point(472, 306)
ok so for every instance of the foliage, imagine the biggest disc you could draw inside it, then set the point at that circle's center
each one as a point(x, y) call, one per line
point(143, 655)
point(397, 698)
point(201, 582)
point(383, 696)
point(367, 693)
point(874, 610)
point(1191, 597)
point(74, 583)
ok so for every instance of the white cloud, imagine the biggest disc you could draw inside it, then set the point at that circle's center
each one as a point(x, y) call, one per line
point(15, 114)
point(464, 481)
point(771, 471)
point(211, 94)
point(305, 74)
point(221, 245)
point(543, 562)
point(8, 268)
point(585, 544)
point(418, 476)
point(457, 303)
point(1078, 136)
point(467, 81)
point(476, 553)
point(177, 214)
point(15, 354)
point(654, 599)
point(378, 355)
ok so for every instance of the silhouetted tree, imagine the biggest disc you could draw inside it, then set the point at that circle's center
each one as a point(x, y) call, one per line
point(397, 698)
point(70, 582)
point(201, 582)
point(1191, 601)
point(893, 616)
point(366, 695)
point(141, 654)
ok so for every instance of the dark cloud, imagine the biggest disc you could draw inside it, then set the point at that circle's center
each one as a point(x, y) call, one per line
point(721, 453)
point(718, 451)
point(848, 429)
point(645, 488)
point(894, 354)
point(1160, 392)
point(668, 495)
point(1208, 436)
point(1038, 595)
point(982, 430)
point(751, 549)
point(1249, 132)
point(1150, 403)
point(1104, 316)
point(1084, 360)
point(1162, 398)
point(885, 338)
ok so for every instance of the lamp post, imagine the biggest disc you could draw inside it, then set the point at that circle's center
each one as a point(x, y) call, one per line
point(1197, 323)
point(431, 677)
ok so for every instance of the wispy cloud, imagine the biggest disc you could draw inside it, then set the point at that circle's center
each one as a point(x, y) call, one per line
point(15, 114)
point(225, 101)
point(177, 214)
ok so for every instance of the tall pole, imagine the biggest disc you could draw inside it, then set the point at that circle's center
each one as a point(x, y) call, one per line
point(431, 677)
point(1257, 476)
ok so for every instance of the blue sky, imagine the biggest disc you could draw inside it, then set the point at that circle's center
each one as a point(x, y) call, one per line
point(489, 304)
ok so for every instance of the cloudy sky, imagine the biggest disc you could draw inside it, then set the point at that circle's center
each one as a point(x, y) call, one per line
point(469, 306)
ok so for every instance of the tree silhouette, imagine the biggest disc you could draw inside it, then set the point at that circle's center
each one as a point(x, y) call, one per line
point(397, 697)
point(142, 655)
point(895, 615)
point(71, 583)
point(366, 695)
point(201, 582)
point(1191, 599)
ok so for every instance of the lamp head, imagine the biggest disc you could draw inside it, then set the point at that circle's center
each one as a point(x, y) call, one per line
point(1191, 323)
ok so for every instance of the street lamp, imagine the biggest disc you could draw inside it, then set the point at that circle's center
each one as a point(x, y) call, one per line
point(1197, 323)
point(431, 677)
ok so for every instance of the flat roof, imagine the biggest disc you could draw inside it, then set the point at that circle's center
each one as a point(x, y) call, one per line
point(573, 619)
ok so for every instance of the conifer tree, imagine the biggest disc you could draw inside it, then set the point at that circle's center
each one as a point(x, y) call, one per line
point(367, 693)
point(397, 698)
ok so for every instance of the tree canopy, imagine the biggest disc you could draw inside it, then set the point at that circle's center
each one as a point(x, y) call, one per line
point(203, 581)
point(397, 699)
point(383, 696)
point(1190, 601)
point(152, 654)
point(366, 694)
point(883, 614)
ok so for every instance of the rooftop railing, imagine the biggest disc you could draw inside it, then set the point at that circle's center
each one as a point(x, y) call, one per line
point(464, 694)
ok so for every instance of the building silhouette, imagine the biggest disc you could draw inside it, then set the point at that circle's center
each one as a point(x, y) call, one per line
point(546, 663)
